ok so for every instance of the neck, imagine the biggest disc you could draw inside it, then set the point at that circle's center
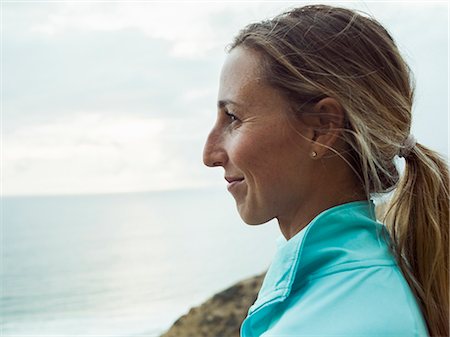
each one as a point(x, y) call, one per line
point(291, 224)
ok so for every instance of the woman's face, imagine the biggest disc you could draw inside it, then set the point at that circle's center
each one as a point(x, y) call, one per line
point(266, 161)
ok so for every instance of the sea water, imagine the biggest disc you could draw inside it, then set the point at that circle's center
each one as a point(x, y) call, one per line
point(121, 265)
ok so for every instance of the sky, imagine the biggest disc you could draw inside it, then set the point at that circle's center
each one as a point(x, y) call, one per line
point(119, 96)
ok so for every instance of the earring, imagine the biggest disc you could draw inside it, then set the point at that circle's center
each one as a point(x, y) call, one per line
point(314, 154)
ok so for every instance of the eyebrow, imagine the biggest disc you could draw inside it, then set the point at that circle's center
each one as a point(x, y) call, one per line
point(224, 102)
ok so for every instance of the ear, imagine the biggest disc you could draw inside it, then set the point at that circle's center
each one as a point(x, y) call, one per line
point(327, 121)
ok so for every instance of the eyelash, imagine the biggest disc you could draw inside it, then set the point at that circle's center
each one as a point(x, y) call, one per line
point(231, 116)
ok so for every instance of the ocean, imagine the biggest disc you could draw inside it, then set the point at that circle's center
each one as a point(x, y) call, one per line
point(121, 264)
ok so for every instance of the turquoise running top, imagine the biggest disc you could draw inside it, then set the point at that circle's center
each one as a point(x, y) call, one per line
point(336, 277)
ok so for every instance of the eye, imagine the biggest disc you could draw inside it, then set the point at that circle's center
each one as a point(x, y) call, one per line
point(231, 116)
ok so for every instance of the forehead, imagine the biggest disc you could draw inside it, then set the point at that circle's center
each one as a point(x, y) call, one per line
point(241, 74)
point(243, 64)
point(242, 81)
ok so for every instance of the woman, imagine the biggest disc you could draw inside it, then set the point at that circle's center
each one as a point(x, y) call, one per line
point(313, 107)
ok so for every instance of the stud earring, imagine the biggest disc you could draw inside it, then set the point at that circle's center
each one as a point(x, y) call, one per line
point(314, 154)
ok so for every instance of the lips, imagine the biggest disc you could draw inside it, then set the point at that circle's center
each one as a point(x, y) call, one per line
point(233, 182)
point(233, 179)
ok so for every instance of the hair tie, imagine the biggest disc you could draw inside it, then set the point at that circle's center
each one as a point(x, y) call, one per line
point(407, 146)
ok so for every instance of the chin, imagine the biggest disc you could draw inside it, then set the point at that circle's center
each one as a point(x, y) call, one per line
point(254, 223)
point(253, 219)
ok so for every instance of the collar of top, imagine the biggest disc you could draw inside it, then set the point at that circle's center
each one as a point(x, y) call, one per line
point(340, 238)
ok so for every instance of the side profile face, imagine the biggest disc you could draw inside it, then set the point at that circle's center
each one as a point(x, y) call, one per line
point(266, 159)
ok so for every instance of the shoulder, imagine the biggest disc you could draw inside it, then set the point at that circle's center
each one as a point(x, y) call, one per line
point(363, 301)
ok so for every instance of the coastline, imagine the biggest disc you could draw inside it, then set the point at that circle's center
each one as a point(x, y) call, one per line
point(221, 315)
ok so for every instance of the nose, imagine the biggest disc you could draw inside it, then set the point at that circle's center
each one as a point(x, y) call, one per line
point(214, 153)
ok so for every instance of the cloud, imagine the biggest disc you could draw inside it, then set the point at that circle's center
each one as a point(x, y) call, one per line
point(92, 152)
point(186, 25)
point(102, 71)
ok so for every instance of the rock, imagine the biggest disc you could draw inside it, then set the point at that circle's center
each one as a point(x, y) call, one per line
point(221, 315)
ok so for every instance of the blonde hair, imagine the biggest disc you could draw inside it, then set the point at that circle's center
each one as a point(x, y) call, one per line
point(321, 51)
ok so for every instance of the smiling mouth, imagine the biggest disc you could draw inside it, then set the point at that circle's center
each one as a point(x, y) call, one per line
point(233, 179)
point(233, 182)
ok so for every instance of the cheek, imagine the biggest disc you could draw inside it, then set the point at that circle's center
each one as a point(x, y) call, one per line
point(261, 158)
point(249, 151)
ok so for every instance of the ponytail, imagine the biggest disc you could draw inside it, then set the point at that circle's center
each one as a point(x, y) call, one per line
point(418, 220)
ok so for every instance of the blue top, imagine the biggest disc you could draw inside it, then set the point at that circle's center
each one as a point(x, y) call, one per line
point(336, 277)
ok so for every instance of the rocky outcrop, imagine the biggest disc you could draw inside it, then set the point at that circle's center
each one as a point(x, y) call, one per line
point(221, 315)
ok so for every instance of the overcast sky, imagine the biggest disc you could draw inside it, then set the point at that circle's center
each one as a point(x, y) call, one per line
point(119, 96)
